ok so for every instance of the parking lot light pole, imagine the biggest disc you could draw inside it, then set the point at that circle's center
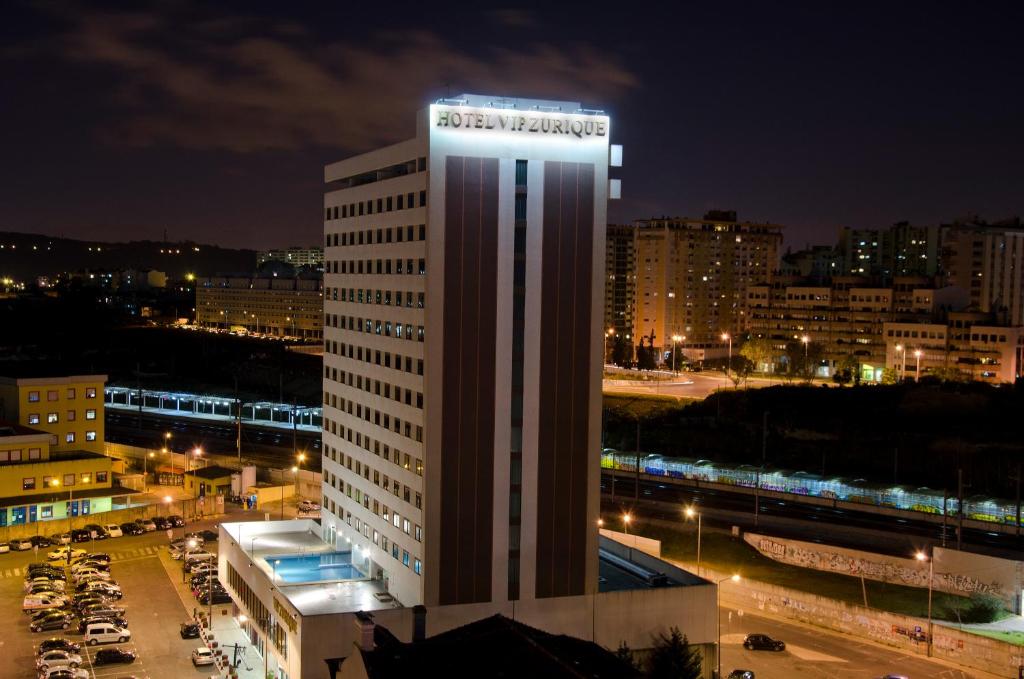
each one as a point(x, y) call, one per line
point(921, 556)
point(718, 612)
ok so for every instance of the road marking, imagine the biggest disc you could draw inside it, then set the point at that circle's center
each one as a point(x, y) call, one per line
point(7, 573)
point(812, 656)
point(17, 572)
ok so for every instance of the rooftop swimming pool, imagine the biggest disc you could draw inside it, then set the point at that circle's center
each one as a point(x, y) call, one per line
point(315, 567)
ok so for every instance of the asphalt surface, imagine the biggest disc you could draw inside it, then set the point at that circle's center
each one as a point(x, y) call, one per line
point(816, 653)
point(685, 385)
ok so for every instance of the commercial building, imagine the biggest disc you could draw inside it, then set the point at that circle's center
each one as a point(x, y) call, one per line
point(297, 256)
point(692, 276)
point(68, 408)
point(208, 481)
point(619, 284)
point(41, 484)
point(269, 305)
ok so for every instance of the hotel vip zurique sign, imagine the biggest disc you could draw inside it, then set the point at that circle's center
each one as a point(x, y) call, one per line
point(522, 123)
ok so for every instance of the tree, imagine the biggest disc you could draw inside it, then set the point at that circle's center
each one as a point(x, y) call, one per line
point(672, 657)
point(760, 352)
point(625, 654)
point(622, 351)
point(890, 376)
point(645, 356)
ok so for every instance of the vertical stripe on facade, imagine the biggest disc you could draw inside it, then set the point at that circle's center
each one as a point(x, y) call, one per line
point(564, 398)
point(468, 381)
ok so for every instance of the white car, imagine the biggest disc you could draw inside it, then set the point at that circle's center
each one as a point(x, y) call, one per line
point(113, 530)
point(62, 553)
point(308, 506)
point(4, 547)
point(204, 568)
point(61, 538)
point(58, 659)
point(54, 585)
point(64, 673)
point(21, 544)
point(36, 602)
point(87, 574)
point(201, 655)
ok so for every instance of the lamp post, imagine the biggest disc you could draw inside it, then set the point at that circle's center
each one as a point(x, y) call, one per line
point(917, 355)
point(626, 518)
point(690, 513)
point(608, 333)
point(718, 595)
point(726, 337)
point(921, 556)
point(675, 338)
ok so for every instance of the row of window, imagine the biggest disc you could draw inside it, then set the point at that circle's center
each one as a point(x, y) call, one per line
point(68, 480)
point(361, 296)
point(16, 455)
point(401, 201)
point(367, 355)
point(54, 394)
point(363, 528)
point(385, 421)
point(389, 515)
point(395, 329)
point(391, 234)
point(406, 267)
point(53, 418)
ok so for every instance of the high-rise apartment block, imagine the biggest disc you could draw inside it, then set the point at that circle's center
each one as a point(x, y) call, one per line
point(619, 282)
point(296, 256)
point(692, 276)
point(463, 305)
point(987, 260)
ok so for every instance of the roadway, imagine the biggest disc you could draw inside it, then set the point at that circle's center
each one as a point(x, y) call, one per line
point(660, 499)
point(812, 652)
point(685, 385)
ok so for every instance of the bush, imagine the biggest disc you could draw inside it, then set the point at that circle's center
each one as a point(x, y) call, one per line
point(980, 608)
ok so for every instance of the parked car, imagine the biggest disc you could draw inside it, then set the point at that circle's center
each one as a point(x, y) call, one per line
point(105, 609)
point(84, 599)
point(741, 674)
point(46, 588)
point(79, 535)
point(201, 655)
point(176, 521)
point(96, 556)
point(108, 589)
point(62, 553)
point(207, 535)
point(308, 506)
point(21, 544)
point(40, 541)
point(160, 523)
point(217, 598)
point(113, 530)
point(82, 564)
point(115, 620)
point(90, 574)
point(105, 633)
point(96, 531)
point(64, 673)
point(58, 659)
point(146, 524)
point(203, 567)
point(34, 602)
point(50, 572)
point(189, 630)
point(762, 642)
point(60, 539)
point(5, 547)
point(53, 583)
point(58, 644)
point(51, 621)
point(109, 656)
point(35, 616)
point(132, 529)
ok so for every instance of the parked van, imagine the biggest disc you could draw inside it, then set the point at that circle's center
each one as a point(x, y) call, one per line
point(35, 602)
point(105, 633)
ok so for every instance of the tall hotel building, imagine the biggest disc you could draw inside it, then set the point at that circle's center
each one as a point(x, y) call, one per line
point(463, 311)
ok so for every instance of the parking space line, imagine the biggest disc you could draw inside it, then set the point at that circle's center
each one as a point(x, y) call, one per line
point(17, 572)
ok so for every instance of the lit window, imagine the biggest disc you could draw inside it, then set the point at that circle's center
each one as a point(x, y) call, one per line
point(86, 478)
point(33, 397)
point(90, 414)
point(29, 483)
point(51, 418)
point(69, 437)
point(90, 436)
point(90, 392)
point(33, 418)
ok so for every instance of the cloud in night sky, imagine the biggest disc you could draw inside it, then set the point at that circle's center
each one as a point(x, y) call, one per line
point(242, 85)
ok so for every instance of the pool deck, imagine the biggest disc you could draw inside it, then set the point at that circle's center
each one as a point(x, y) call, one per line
point(262, 540)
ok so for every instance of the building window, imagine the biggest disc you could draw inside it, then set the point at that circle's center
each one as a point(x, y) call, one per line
point(16, 455)
point(28, 483)
point(33, 418)
point(90, 392)
point(46, 511)
point(69, 437)
point(90, 436)
point(71, 393)
point(86, 477)
point(52, 395)
point(101, 477)
point(34, 453)
point(33, 397)
point(69, 479)
point(48, 481)
point(71, 416)
point(90, 414)
point(51, 418)
point(417, 566)
point(405, 558)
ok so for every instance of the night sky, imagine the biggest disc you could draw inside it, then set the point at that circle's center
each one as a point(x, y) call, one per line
point(214, 120)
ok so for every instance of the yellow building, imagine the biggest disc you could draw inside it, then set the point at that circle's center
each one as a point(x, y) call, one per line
point(40, 484)
point(69, 408)
point(212, 480)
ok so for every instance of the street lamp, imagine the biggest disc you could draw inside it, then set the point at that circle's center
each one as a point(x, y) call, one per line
point(690, 512)
point(726, 337)
point(600, 523)
point(902, 362)
point(917, 355)
point(626, 518)
point(610, 332)
point(675, 338)
point(718, 594)
point(921, 556)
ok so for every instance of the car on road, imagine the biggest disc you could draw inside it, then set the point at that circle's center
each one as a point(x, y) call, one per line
point(51, 621)
point(201, 655)
point(114, 620)
point(62, 553)
point(146, 524)
point(176, 520)
point(741, 674)
point(21, 544)
point(110, 656)
point(80, 535)
point(58, 644)
point(58, 659)
point(64, 673)
point(105, 633)
point(762, 642)
point(113, 530)
point(202, 536)
point(189, 630)
point(132, 529)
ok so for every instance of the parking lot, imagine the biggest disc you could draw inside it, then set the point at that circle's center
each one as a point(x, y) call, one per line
point(154, 609)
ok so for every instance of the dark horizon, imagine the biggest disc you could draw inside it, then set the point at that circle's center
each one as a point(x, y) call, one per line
point(214, 123)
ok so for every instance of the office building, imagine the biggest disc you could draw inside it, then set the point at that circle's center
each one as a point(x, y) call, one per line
point(268, 305)
point(68, 408)
point(619, 284)
point(312, 256)
point(692, 276)
point(462, 392)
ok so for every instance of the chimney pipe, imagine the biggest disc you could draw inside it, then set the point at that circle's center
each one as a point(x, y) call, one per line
point(364, 628)
point(419, 623)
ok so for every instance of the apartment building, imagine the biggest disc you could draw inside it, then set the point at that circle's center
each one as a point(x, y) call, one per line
point(987, 260)
point(619, 284)
point(68, 408)
point(296, 256)
point(268, 305)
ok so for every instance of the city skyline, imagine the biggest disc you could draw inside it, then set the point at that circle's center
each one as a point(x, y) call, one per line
point(203, 122)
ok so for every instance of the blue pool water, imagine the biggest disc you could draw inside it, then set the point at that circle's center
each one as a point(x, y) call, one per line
point(314, 567)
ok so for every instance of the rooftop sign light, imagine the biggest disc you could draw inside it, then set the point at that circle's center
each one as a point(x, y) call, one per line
point(525, 122)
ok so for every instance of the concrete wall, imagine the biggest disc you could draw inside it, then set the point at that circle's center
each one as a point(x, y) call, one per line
point(638, 542)
point(186, 508)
